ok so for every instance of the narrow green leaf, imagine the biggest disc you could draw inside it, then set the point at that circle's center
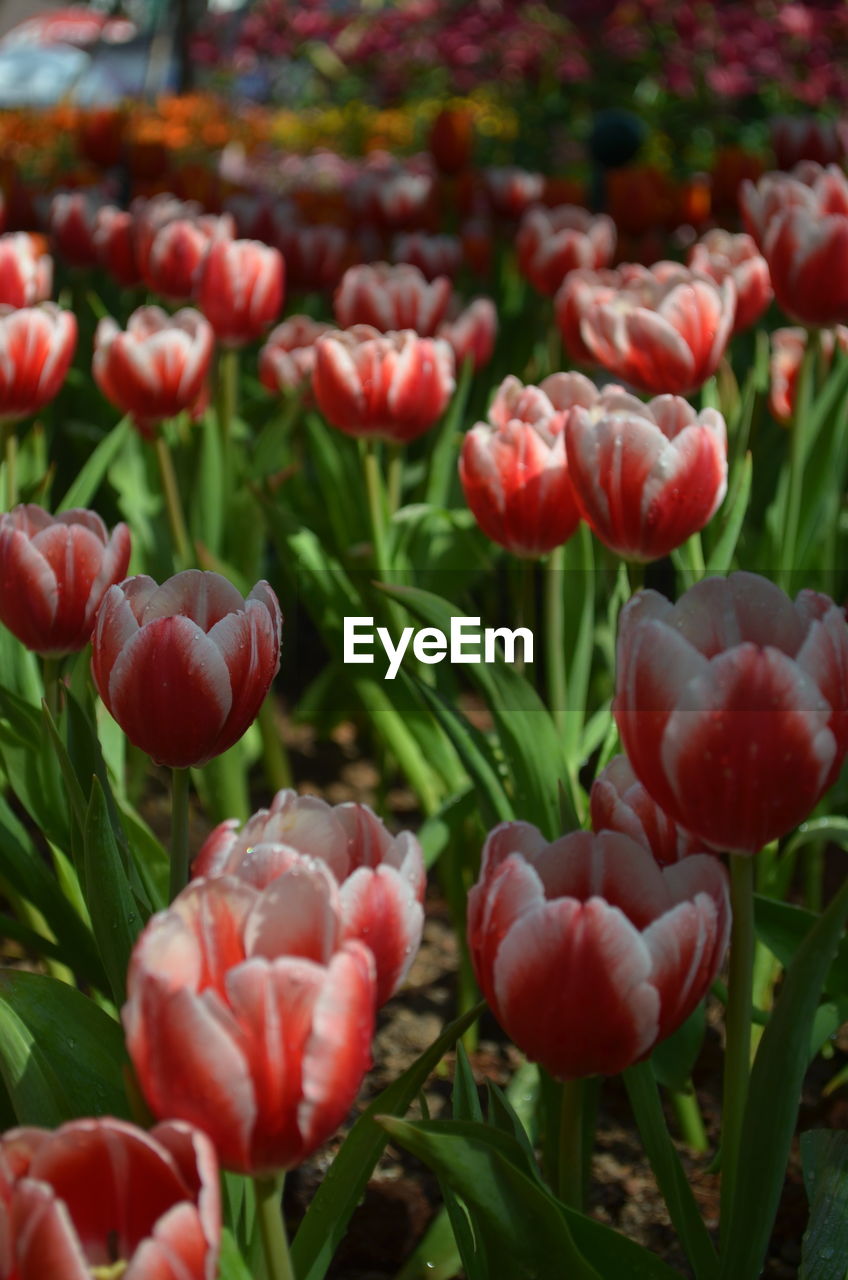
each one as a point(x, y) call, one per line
point(674, 1058)
point(442, 468)
point(824, 1252)
point(231, 1265)
point(783, 927)
point(208, 504)
point(114, 912)
point(89, 478)
point(436, 1256)
point(732, 516)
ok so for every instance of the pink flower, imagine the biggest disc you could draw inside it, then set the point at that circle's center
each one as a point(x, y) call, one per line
point(787, 353)
point(381, 877)
point(240, 289)
point(432, 255)
point(177, 251)
point(719, 255)
point(71, 222)
point(287, 359)
point(36, 348)
point(471, 333)
point(807, 254)
point(391, 298)
point(619, 802)
point(588, 952)
point(115, 242)
point(511, 189)
point(552, 242)
point(26, 277)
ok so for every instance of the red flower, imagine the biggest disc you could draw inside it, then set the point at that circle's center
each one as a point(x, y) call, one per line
point(98, 1197)
point(36, 348)
point(246, 1017)
point(240, 289)
point(797, 138)
point(511, 190)
point(646, 476)
point(392, 386)
point(184, 667)
point(288, 357)
point(433, 255)
point(150, 216)
point(472, 332)
point(381, 877)
point(552, 242)
point(177, 252)
point(619, 802)
point(451, 139)
point(809, 186)
point(115, 242)
point(54, 571)
point(588, 952)
point(392, 297)
point(26, 276)
point(514, 471)
point(71, 222)
point(787, 353)
point(155, 368)
point(316, 257)
point(718, 254)
point(732, 705)
point(807, 253)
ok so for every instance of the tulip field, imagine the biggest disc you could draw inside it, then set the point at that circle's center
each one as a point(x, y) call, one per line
point(424, 655)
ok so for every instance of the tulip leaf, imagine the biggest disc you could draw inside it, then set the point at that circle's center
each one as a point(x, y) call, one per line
point(208, 505)
point(114, 910)
point(824, 1252)
point(441, 470)
point(782, 927)
point(61, 1055)
point(231, 1265)
point(435, 1257)
point(90, 476)
point(343, 1184)
point(32, 769)
point(674, 1058)
point(771, 1110)
point(732, 517)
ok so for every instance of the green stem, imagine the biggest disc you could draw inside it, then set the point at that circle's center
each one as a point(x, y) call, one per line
point(555, 637)
point(226, 404)
point(275, 757)
point(570, 1164)
point(689, 1118)
point(10, 461)
point(635, 576)
point(395, 478)
point(180, 779)
point(174, 507)
point(272, 1228)
point(642, 1091)
point(52, 668)
point(376, 505)
point(797, 459)
point(737, 1059)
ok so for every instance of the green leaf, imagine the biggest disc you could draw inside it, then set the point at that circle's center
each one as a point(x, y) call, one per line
point(90, 476)
point(231, 1265)
point(783, 927)
point(208, 503)
point(775, 1089)
point(732, 517)
point(32, 768)
point(114, 911)
point(824, 1252)
point(344, 1182)
point(442, 464)
point(61, 1055)
point(674, 1059)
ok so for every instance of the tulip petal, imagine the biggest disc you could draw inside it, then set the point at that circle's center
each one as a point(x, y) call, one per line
point(381, 910)
point(297, 915)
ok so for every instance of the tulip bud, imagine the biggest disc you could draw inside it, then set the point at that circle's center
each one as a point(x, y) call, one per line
point(240, 289)
point(392, 297)
point(26, 276)
point(36, 348)
point(552, 242)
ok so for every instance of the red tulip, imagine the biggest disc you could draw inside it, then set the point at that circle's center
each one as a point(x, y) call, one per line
point(718, 254)
point(71, 223)
point(511, 190)
point(103, 1198)
point(809, 187)
point(433, 255)
point(316, 257)
point(797, 138)
point(588, 952)
point(646, 476)
point(246, 1018)
point(392, 297)
point(402, 199)
point(54, 572)
point(393, 386)
point(451, 139)
point(155, 368)
point(150, 216)
point(619, 802)
point(288, 357)
point(807, 254)
point(381, 877)
point(240, 289)
point(184, 667)
point(26, 276)
point(732, 705)
point(552, 242)
point(115, 242)
point(36, 348)
point(472, 333)
point(514, 471)
point(787, 353)
point(177, 253)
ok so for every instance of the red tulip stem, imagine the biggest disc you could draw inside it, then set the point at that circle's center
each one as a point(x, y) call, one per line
point(10, 463)
point(272, 1227)
point(737, 1058)
point(570, 1165)
point(180, 781)
point(173, 505)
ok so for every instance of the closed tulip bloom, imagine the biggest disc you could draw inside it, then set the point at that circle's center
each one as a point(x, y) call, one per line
point(184, 667)
point(646, 476)
point(155, 368)
point(247, 1017)
point(798, 138)
point(240, 289)
point(719, 254)
point(115, 241)
point(552, 242)
point(511, 189)
point(392, 297)
point(787, 353)
point(587, 951)
point(619, 802)
point(807, 254)
point(391, 386)
point(151, 215)
point(732, 705)
point(472, 333)
point(809, 186)
point(381, 877)
point(177, 251)
point(54, 572)
point(104, 1198)
point(36, 348)
point(433, 255)
point(26, 276)
point(316, 257)
point(287, 359)
point(71, 222)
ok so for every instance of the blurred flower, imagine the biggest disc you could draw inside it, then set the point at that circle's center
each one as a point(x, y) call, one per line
point(619, 802)
point(240, 288)
point(451, 139)
point(381, 877)
point(719, 254)
point(471, 333)
point(634, 946)
point(26, 276)
point(732, 705)
point(71, 223)
point(155, 368)
point(287, 359)
point(511, 190)
point(248, 1017)
point(787, 353)
point(115, 243)
point(552, 242)
point(391, 297)
point(316, 257)
point(177, 252)
point(184, 667)
point(102, 1197)
point(432, 255)
point(36, 348)
point(807, 252)
point(797, 138)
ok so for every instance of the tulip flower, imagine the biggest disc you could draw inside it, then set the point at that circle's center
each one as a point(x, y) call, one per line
point(619, 802)
point(26, 276)
point(316, 257)
point(433, 255)
point(240, 289)
point(807, 254)
point(155, 368)
point(392, 297)
point(451, 140)
point(732, 705)
point(36, 348)
point(150, 216)
point(471, 333)
point(184, 667)
point(514, 471)
point(104, 1198)
point(787, 354)
point(511, 189)
point(71, 222)
point(646, 476)
point(54, 572)
point(809, 186)
point(391, 386)
point(718, 254)
point(798, 138)
point(287, 359)
point(172, 265)
point(115, 242)
point(247, 1017)
point(381, 877)
point(588, 952)
point(552, 242)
